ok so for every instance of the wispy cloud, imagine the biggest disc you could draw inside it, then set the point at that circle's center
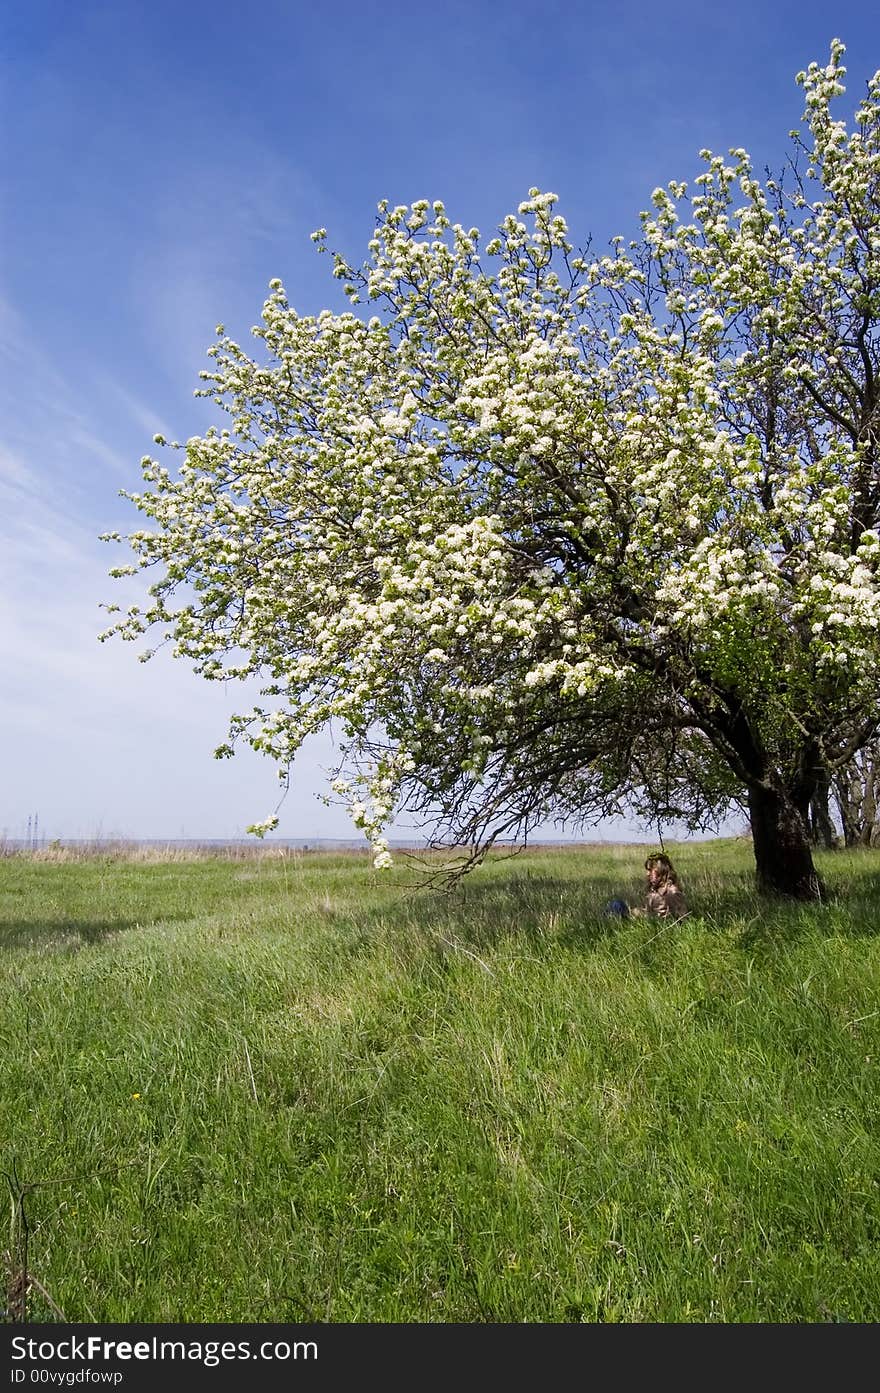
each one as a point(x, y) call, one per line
point(218, 234)
point(54, 449)
point(144, 415)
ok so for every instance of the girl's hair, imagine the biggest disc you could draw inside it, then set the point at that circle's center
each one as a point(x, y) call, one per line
point(660, 859)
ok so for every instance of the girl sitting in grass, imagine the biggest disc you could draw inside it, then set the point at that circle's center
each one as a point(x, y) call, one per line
point(665, 899)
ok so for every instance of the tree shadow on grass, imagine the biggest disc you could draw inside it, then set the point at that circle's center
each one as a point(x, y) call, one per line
point(533, 909)
point(67, 933)
point(756, 922)
point(537, 909)
point(860, 897)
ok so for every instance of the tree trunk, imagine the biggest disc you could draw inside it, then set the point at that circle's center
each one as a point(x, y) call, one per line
point(848, 805)
point(781, 842)
point(869, 800)
point(822, 832)
point(857, 792)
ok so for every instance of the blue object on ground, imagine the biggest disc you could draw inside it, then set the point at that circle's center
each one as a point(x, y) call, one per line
point(617, 909)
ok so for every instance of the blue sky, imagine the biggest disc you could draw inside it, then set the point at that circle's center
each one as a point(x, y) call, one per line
point(161, 163)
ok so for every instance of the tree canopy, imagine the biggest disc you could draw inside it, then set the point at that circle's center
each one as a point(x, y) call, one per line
point(538, 529)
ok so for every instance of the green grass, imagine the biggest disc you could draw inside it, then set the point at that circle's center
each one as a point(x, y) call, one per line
point(295, 1090)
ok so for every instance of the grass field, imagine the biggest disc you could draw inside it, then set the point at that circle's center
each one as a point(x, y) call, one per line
point(291, 1089)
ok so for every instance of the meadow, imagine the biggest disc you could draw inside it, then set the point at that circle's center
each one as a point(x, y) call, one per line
point(288, 1088)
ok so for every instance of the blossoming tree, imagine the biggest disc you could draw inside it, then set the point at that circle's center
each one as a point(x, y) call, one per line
point(537, 530)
